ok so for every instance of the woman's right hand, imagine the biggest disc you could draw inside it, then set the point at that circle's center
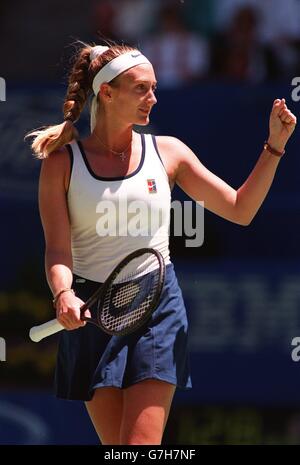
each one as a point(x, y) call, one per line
point(68, 311)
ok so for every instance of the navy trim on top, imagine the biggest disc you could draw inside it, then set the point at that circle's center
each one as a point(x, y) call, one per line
point(118, 178)
point(156, 149)
point(70, 151)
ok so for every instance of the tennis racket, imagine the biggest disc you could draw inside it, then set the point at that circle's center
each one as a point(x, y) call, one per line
point(125, 300)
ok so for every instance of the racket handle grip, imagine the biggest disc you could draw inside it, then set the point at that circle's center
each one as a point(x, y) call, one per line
point(37, 333)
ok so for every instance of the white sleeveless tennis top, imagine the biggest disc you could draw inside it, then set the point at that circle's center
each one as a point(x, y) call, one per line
point(112, 217)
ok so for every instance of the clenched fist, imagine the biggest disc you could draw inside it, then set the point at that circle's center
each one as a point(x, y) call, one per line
point(282, 125)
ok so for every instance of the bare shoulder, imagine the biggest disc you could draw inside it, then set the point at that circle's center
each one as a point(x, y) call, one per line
point(173, 153)
point(171, 144)
point(56, 167)
point(57, 159)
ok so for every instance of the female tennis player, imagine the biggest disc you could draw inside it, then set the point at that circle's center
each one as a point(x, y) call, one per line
point(127, 382)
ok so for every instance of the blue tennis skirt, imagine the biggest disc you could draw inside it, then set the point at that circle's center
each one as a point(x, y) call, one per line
point(89, 359)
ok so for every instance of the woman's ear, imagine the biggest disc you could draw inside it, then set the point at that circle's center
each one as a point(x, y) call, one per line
point(105, 92)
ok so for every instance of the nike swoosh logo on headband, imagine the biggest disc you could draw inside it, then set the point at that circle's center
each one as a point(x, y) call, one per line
point(136, 55)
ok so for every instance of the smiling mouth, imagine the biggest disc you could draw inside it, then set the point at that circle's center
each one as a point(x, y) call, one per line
point(144, 111)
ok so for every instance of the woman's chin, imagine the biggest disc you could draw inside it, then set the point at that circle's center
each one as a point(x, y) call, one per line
point(143, 121)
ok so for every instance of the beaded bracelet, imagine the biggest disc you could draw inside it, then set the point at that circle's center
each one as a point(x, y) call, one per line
point(270, 149)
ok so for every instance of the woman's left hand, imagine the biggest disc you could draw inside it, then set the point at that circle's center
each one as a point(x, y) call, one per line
point(282, 125)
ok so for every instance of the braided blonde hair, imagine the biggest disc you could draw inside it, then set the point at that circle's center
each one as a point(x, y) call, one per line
point(80, 81)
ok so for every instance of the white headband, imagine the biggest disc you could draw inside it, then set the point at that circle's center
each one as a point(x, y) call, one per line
point(116, 66)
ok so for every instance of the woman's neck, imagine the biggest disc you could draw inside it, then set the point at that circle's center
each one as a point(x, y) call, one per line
point(113, 136)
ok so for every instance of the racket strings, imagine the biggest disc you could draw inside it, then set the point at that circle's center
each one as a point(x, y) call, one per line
point(125, 294)
point(124, 319)
point(129, 297)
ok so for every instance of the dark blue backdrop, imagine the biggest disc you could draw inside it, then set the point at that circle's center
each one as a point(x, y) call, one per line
point(241, 286)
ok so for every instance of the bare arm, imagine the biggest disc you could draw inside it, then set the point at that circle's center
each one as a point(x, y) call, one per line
point(254, 190)
point(238, 206)
point(55, 220)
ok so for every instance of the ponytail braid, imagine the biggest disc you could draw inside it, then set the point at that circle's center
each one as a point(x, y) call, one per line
point(80, 87)
point(53, 137)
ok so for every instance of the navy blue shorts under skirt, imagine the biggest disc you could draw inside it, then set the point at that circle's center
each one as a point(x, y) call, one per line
point(88, 358)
